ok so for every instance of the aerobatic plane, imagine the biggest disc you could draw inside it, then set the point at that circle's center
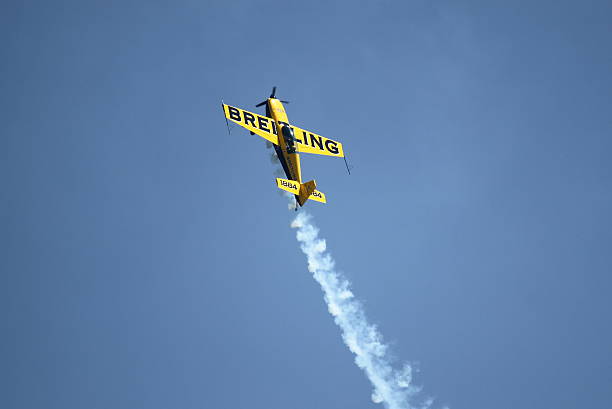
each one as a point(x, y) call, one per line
point(289, 141)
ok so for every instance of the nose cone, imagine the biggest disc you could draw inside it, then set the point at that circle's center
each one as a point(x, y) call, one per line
point(276, 104)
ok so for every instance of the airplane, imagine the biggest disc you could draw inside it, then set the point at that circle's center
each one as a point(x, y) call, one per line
point(289, 141)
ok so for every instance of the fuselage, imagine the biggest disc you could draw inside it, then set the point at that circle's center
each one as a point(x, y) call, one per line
point(285, 150)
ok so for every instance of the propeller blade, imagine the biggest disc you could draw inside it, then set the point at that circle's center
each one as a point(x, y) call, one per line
point(261, 103)
point(284, 102)
point(273, 92)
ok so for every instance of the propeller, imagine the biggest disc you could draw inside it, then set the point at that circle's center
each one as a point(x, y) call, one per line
point(272, 95)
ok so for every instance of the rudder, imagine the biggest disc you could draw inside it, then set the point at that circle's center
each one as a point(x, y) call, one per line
point(308, 191)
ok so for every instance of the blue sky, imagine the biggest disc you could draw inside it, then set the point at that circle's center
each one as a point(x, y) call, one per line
point(147, 257)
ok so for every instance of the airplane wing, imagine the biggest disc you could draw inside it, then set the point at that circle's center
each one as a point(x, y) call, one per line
point(261, 125)
point(309, 142)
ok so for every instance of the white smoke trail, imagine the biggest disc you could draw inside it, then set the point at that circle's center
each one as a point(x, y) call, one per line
point(391, 386)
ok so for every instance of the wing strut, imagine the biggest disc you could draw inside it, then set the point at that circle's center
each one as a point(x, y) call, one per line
point(347, 166)
point(226, 121)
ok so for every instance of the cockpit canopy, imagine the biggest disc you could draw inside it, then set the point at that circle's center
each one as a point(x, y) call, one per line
point(288, 133)
point(289, 138)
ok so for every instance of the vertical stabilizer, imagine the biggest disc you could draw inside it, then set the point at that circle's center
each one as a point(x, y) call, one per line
point(305, 190)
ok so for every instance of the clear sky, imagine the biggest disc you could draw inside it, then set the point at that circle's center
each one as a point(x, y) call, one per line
point(147, 259)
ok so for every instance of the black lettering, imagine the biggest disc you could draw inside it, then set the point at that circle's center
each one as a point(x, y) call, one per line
point(263, 123)
point(304, 140)
point(334, 146)
point(316, 139)
point(234, 113)
point(274, 128)
point(288, 184)
point(249, 118)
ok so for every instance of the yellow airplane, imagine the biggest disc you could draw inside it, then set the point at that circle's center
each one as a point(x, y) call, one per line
point(289, 141)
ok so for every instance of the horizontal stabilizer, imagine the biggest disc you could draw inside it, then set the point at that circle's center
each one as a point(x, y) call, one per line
point(317, 196)
point(303, 191)
point(290, 186)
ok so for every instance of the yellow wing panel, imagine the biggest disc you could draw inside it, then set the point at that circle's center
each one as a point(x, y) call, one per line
point(309, 142)
point(260, 125)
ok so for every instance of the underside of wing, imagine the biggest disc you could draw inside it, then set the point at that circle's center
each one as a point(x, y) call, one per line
point(309, 142)
point(260, 125)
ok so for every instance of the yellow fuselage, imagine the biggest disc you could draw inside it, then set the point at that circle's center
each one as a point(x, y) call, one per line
point(290, 161)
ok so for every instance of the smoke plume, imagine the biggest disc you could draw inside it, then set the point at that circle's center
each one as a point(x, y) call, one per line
point(392, 387)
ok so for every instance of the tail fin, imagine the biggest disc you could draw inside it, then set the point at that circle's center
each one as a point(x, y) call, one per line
point(302, 191)
point(305, 190)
